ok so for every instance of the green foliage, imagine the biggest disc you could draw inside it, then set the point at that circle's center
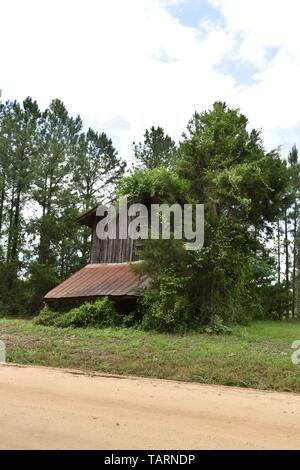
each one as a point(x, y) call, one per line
point(217, 328)
point(164, 305)
point(99, 314)
point(154, 187)
point(129, 320)
point(277, 301)
point(157, 150)
point(42, 279)
point(47, 317)
point(49, 164)
point(257, 355)
point(96, 168)
point(50, 172)
point(243, 188)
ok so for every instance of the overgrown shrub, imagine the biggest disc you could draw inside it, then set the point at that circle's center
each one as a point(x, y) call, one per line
point(164, 306)
point(217, 327)
point(99, 314)
point(129, 320)
point(47, 317)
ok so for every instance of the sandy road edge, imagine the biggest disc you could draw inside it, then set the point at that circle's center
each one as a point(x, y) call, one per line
point(95, 374)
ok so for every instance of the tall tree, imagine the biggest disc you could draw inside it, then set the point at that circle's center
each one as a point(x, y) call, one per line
point(50, 171)
point(286, 221)
point(96, 169)
point(4, 161)
point(278, 229)
point(293, 160)
point(18, 126)
point(57, 137)
point(242, 187)
point(17, 146)
point(158, 149)
point(58, 134)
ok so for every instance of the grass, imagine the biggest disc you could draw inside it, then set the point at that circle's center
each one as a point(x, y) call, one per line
point(258, 355)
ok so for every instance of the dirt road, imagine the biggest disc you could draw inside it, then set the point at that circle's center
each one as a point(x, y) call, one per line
point(45, 408)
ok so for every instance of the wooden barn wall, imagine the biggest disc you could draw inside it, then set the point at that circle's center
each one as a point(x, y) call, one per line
point(112, 251)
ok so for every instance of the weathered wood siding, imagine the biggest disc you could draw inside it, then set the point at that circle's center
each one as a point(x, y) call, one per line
point(112, 251)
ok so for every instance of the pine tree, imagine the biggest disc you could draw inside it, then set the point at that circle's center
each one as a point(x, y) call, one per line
point(96, 169)
point(293, 160)
point(158, 149)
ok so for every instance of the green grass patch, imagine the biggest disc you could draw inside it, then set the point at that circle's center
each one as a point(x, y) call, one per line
point(258, 355)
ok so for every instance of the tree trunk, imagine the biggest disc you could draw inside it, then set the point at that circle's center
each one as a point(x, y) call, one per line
point(298, 298)
point(2, 197)
point(278, 253)
point(294, 260)
point(10, 225)
point(286, 247)
point(16, 228)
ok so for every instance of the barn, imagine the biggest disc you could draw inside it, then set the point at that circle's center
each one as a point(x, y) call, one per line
point(109, 273)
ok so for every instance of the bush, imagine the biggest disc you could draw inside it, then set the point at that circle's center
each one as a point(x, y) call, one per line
point(129, 320)
point(47, 317)
point(164, 306)
point(217, 327)
point(99, 314)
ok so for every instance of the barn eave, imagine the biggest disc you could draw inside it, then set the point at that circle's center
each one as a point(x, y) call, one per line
point(113, 280)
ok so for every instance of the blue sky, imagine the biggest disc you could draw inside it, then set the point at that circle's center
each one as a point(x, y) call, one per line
point(192, 12)
point(124, 66)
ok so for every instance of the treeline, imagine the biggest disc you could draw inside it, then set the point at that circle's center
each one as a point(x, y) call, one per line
point(288, 239)
point(50, 171)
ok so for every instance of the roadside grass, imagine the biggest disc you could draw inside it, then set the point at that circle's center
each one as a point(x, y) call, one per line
point(258, 355)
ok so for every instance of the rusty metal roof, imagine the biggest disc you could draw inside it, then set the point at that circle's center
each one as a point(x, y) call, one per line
point(111, 279)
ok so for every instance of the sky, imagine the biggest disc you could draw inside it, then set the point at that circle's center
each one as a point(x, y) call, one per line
point(125, 65)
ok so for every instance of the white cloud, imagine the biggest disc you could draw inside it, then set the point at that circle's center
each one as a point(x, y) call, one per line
point(99, 57)
point(273, 101)
point(127, 65)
